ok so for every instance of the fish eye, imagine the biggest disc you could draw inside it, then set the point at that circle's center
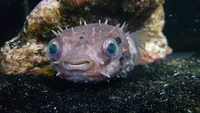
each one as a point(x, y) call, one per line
point(110, 48)
point(53, 50)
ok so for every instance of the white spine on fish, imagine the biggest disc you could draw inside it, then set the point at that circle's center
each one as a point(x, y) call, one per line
point(56, 62)
point(112, 30)
point(93, 30)
point(85, 23)
point(59, 33)
point(117, 25)
point(54, 32)
point(73, 32)
point(80, 22)
point(58, 74)
point(106, 22)
point(99, 22)
point(105, 74)
point(123, 26)
point(100, 31)
point(60, 28)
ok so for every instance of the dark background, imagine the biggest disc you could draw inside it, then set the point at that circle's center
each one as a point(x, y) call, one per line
point(182, 26)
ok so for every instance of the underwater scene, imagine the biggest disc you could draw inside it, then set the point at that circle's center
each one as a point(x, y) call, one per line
point(100, 56)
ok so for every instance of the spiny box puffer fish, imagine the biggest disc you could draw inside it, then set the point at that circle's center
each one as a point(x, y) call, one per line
point(92, 52)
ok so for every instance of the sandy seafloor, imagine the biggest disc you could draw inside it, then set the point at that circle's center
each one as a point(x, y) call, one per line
point(171, 85)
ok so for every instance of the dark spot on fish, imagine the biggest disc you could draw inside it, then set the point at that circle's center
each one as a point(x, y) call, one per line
point(81, 37)
point(83, 33)
point(118, 40)
point(121, 60)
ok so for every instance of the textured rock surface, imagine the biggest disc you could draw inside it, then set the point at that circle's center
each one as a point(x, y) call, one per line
point(168, 86)
point(25, 54)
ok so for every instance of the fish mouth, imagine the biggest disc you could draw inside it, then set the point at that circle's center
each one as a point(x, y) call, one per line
point(78, 64)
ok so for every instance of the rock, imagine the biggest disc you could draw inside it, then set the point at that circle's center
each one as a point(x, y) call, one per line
point(25, 54)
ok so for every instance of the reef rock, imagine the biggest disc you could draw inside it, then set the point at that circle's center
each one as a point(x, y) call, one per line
point(25, 54)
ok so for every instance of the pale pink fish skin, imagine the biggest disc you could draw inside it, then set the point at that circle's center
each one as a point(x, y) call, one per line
point(82, 54)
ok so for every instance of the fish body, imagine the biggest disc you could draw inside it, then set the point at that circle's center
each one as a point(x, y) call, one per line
point(92, 52)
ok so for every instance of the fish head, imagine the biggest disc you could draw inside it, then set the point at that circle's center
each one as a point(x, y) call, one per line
point(92, 52)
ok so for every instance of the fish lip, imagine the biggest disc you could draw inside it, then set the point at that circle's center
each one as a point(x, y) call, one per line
point(78, 64)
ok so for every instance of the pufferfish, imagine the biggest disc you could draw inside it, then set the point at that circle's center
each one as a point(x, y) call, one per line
point(92, 52)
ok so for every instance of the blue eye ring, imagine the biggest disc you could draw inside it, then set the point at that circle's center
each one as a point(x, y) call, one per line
point(110, 48)
point(54, 50)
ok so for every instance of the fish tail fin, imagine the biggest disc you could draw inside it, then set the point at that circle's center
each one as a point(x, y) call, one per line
point(151, 46)
point(140, 37)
